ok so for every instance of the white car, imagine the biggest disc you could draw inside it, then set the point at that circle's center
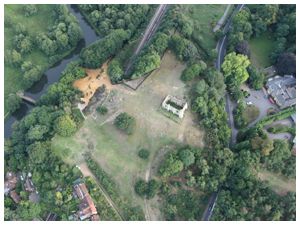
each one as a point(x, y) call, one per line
point(249, 103)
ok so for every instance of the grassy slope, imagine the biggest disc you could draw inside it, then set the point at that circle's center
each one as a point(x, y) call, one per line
point(33, 24)
point(204, 18)
point(279, 183)
point(261, 47)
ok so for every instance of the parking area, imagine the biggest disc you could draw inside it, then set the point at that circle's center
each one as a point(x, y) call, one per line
point(260, 100)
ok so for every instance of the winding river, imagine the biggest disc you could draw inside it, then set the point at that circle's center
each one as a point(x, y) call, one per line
point(52, 75)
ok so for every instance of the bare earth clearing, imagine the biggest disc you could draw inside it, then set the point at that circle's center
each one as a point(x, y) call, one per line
point(115, 151)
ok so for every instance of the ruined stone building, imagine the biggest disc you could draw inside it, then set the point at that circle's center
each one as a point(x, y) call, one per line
point(175, 105)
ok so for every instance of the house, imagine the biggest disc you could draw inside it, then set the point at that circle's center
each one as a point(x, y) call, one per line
point(282, 90)
point(87, 208)
point(13, 194)
point(175, 105)
point(10, 182)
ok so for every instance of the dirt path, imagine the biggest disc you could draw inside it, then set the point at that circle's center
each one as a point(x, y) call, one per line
point(152, 168)
point(88, 173)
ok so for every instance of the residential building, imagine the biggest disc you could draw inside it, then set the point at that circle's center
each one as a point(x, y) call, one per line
point(87, 208)
point(282, 90)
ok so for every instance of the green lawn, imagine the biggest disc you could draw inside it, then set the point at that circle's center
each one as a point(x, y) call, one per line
point(204, 18)
point(261, 47)
point(34, 24)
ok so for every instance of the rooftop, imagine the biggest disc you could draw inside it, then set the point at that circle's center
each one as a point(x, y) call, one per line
point(86, 206)
point(283, 90)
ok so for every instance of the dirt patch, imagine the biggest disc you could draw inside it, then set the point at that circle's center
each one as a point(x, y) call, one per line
point(95, 78)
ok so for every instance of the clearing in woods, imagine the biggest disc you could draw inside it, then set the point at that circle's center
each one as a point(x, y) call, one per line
point(279, 183)
point(115, 151)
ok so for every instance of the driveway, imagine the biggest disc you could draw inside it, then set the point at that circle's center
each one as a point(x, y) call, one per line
point(284, 136)
point(260, 100)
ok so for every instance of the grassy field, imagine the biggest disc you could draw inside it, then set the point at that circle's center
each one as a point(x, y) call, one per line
point(204, 18)
point(261, 47)
point(279, 183)
point(115, 151)
point(34, 24)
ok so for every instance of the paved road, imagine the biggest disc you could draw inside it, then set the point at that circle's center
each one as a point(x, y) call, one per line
point(210, 206)
point(150, 30)
point(223, 18)
point(221, 48)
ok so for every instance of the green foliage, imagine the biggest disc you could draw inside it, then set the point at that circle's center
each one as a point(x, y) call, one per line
point(241, 28)
point(146, 189)
point(264, 144)
point(184, 205)
point(280, 128)
point(30, 10)
point(36, 41)
point(145, 64)
point(97, 53)
point(235, 71)
point(245, 114)
point(278, 116)
point(183, 48)
point(115, 71)
point(286, 64)
point(171, 166)
point(256, 78)
point(129, 212)
point(149, 58)
point(102, 110)
point(101, 203)
point(63, 93)
point(187, 157)
point(107, 18)
point(277, 160)
point(13, 102)
point(65, 126)
point(193, 70)
point(207, 102)
point(144, 154)
point(125, 122)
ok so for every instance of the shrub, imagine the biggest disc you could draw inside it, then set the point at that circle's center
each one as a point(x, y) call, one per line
point(125, 122)
point(144, 154)
point(13, 102)
point(102, 110)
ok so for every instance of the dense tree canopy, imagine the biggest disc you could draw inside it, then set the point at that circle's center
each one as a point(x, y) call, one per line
point(97, 53)
point(235, 70)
